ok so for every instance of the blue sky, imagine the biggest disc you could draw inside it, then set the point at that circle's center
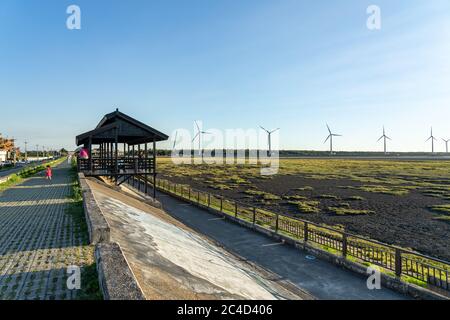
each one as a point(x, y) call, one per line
point(232, 64)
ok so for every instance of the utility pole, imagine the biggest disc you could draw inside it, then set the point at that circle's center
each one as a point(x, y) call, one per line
point(14, 150)
point(37, 152)
point(26, 152)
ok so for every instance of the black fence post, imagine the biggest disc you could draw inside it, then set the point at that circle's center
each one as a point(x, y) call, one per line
point(305, 232)
point(398, 262)
point(221, 204)
point(344, 245)
point(235, 209)
point(189, 193)
point(277, 223)
point(209, 200)
point(198, 197)
point(254, 215)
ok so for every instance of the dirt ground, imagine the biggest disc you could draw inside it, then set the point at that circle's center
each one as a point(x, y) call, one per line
point(403, 220)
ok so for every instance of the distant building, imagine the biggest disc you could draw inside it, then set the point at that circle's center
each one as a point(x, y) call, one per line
point(3, 156)
point(7, 148)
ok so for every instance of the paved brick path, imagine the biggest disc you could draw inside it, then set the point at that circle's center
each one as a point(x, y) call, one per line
point(39, 239)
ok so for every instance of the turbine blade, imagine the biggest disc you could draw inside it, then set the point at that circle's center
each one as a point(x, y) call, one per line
point(196, 136)
point(380, 138)
point(198, 128)
point(327, 139)
point(328, 127)
point(275, 130)
point(264, 129)
point(428, 139)
point(388, 138)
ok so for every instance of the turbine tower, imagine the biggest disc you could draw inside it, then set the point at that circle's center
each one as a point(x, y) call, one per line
point(385, 137)
point(199, 135)
point(269, 137)
point(330, 137)
point(432, 138)
point(446, 144)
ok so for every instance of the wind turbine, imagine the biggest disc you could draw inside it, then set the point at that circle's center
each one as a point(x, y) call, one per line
point(330, 137)
point(432, 138)
point(199, 135)
point(269, 137)
point(385, 137)
point(446, 144)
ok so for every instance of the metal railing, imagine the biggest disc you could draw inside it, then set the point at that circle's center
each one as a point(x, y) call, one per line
point(109, 164)
point(406, 264)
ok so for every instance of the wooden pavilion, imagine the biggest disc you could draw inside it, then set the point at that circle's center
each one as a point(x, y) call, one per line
point(121, 151)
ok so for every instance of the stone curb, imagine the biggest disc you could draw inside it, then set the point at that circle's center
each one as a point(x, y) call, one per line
point(99, 230)
point(116, 279)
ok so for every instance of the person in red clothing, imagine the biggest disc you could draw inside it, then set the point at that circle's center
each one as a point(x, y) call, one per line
point(48, 173)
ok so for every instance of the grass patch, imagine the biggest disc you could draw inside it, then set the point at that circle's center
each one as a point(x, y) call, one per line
point(444, 208)
point(264, 195)
point(306, 188)
point(342, 211)
point(307, 206)
point(443, 218)
point(90, 288)
point(344, 205)
point(271, 197)
point(385, 190)
point(355, 198)
point(328, 196)
point(296, 197)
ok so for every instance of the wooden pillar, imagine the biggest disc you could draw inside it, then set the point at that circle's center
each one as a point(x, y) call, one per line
point(106, 155)
point(117, 157)
point(138, 161)
point(154, 168)
point(146, 169)
point(102, 155)
point(134, 165)
point(124, 155)
point(128, 154)
point(90, 153)
point(111, 153)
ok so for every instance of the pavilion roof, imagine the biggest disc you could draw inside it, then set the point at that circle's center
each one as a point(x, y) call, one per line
point(125, 128)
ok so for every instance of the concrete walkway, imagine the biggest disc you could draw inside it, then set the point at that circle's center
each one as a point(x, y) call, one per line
point(39, 239)
point(172, 262)
point(321, 279)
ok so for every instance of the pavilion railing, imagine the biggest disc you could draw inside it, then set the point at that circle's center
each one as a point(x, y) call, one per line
point(405, 264)
point(108, 164)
